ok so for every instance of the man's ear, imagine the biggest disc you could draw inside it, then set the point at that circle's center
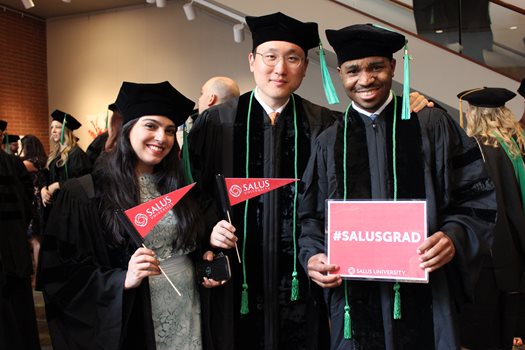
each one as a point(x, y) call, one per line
point(212, 100)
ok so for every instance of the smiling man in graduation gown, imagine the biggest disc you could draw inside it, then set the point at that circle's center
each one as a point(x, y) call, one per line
point(423, 156)
point(239, 139)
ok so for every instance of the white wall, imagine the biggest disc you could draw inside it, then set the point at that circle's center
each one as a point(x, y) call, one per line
point(90, 56)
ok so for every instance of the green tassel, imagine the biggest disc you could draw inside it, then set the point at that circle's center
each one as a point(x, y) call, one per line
point(397, 301)
point(107, 119)
point(186, 164)
point(348, 323)
point(244, 300)
point(405, 111)
point(295, 287)
point(328, 85)
point(63, 129)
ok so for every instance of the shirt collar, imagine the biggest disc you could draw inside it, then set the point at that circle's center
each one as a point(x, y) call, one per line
point(378, 111)
point(267, 108)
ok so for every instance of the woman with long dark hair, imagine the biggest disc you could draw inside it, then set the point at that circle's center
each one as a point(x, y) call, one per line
point(101, 289)
point(34, 157)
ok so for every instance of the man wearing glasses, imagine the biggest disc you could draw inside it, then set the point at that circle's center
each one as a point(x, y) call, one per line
point(265, 133)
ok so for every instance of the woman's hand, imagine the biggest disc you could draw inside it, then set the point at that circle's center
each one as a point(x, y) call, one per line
point(141, 265)
point(47, 193)
point(223, 236)
point(207, 282)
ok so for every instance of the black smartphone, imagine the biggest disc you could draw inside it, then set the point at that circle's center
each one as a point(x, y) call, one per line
point(218, 269)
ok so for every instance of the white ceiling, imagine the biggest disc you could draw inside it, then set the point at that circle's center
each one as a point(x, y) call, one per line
point(57, 8)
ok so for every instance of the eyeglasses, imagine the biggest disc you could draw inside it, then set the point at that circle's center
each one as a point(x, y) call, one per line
point(271, 59)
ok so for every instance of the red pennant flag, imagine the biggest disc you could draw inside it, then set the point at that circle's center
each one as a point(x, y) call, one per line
point(241, 189)
point(146, 215)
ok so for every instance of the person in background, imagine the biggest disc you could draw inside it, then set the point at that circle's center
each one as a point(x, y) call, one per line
point(216, 91)
point(18, 327)
point(265, 133)
point(491, 320)
point(105, 141)
point(10, 144)
point(66, 159)
point(103, 290)
point(34, 158)
point(391, 155)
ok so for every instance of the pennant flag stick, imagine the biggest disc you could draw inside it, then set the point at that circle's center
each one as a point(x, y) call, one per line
point(225, 204)
point(137, 239)
point(138, 221)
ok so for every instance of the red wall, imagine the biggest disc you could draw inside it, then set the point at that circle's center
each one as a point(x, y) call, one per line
point(23, 75)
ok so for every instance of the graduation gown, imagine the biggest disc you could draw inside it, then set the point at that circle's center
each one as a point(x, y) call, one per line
point(78, 164)
point(97, 146)
point(490, 320)
point(82, 279)
point(18, 328)
point(436, 161)
point(217, 145)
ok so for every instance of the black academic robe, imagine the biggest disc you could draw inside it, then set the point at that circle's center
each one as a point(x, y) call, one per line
point(18, 328)
point(435, 161)
point(217, 145)
point(82, 279)
point(77, 164)
point(96, 147)
point(491, 319)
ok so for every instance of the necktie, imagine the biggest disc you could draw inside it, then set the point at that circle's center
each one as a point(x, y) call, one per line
point(373, 117)
point(273, 116)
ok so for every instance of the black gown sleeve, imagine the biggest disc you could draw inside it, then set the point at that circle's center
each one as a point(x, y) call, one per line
point(83, 291)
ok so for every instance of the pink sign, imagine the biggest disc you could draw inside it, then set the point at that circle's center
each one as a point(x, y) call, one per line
point(377, 239)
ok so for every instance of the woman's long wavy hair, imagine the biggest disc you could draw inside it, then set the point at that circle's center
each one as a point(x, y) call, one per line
point(70, 142)
point(483, 123)
point(118, 188)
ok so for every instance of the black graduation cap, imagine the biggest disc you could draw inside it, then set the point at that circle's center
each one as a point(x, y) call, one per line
point(521, 89)
point(10, 138)
point(280, 27)
point(113, 107)
point(136, 100)
point(3, 125)
point(70, 122)
point(364, 40)
point(487, 97)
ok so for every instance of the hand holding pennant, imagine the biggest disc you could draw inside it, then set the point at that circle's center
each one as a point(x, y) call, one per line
point(138, 221)
point(225, 203)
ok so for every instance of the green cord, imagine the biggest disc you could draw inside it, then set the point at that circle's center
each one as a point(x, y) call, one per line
point(295, 281)
point(244, 297)
point(63, 129)
point(397, 286)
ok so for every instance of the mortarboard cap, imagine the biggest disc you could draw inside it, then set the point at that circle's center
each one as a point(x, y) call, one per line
point(113, 107)
point(280, 27)
point(10, 138)
point(137, 100)
point(70, 122)
point(484, 97)
point(521, 89)
point(487, 97)
point(3, 125)
point(364, 40)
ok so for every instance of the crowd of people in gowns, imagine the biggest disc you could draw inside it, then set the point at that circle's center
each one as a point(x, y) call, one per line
point(104, 289)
